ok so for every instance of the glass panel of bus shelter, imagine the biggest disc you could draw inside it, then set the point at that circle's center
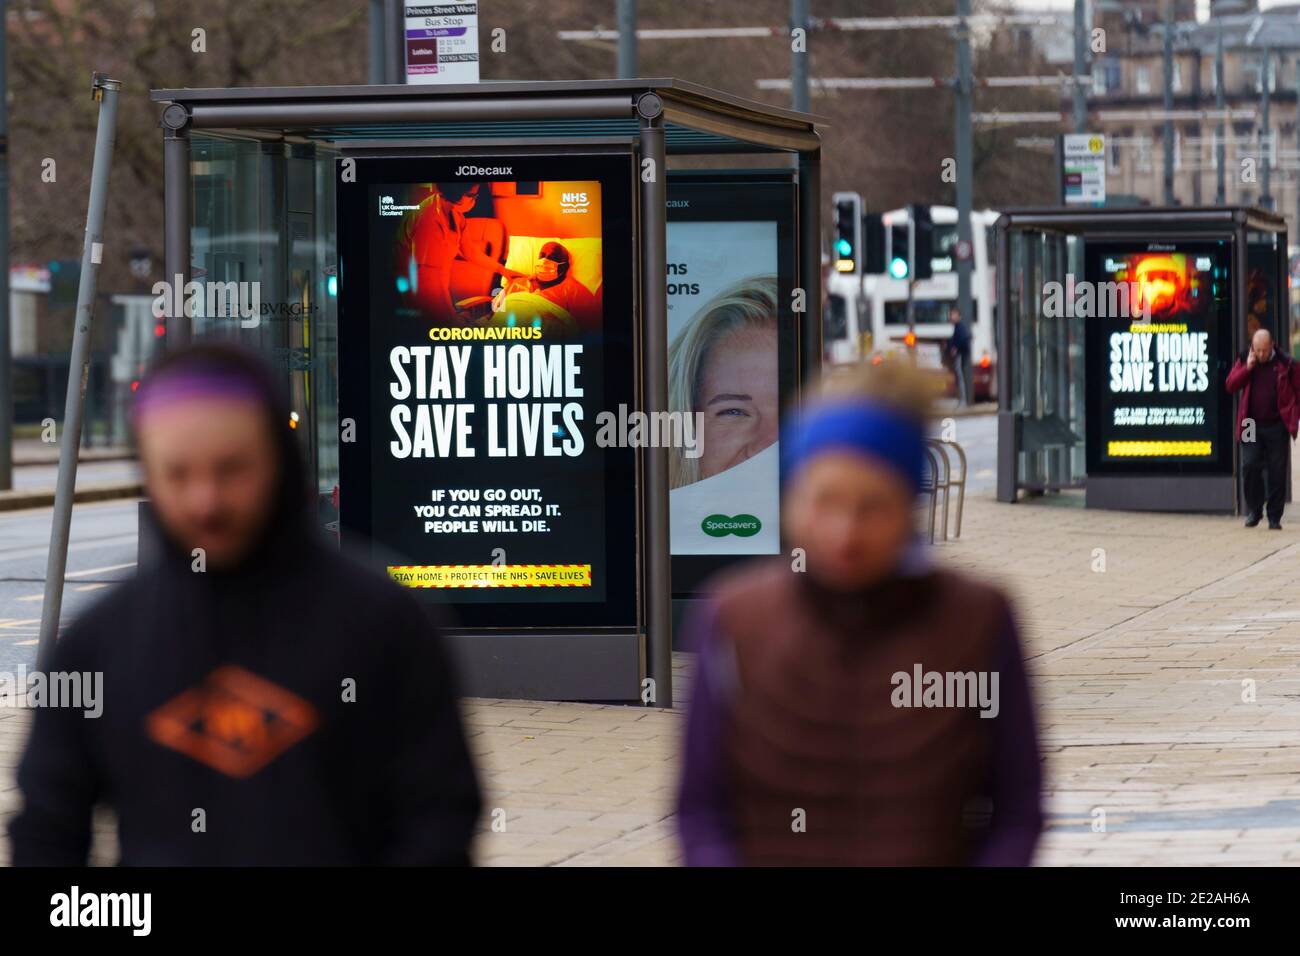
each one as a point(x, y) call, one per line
point(323, 367)
point(1047, 360)
point(263, 254)
point(1293, 296)
point(1074, 386)
point(1265, 305)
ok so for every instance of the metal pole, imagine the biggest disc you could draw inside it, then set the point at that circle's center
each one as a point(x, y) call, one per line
point(965, 165)
point(376, 74)
point(1295, 226)
point(338, 112)
point(1220, 155)
point(1169, 103)
point(1008, 360)
point(176, 219)
point(92, 254)
point(810, 263)
point(394, 41)
point(627, 67)
point(1080, 67)
point(911, 273)
point(1265, 194)
point(654, 375)
point(799, 58)
point(6, 356)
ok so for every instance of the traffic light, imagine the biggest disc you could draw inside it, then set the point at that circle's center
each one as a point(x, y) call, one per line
point(65, 276)
point(899, 251)
point(922, 242)
point(873, 244)
point(848, 232)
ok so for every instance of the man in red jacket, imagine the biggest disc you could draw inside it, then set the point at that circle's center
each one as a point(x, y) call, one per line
point(1268, 411)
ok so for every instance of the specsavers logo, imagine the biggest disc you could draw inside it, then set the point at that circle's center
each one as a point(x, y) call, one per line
point(742, 526)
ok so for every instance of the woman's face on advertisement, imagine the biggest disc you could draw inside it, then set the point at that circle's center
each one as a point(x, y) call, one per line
point(739, 398)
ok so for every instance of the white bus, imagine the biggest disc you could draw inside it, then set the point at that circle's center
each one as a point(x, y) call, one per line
point(867, 317)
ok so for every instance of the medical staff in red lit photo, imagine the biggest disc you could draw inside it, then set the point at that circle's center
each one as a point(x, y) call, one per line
point(433, 239)
point(1162, 284)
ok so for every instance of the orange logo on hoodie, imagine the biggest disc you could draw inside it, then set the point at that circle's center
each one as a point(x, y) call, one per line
point(234, 722)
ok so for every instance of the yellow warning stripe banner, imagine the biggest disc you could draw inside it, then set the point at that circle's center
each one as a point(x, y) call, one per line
point(491, 575)
point(1149, 449)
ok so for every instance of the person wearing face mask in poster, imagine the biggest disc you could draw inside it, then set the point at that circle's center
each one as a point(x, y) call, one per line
point(553, 280)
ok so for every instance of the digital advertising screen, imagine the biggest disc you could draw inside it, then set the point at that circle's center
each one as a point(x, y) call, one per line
point(485, 323)
point(1158, 351)
point(731, 361)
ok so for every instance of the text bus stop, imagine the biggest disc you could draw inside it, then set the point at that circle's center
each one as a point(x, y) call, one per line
point(458, 282)
point(1116, 332)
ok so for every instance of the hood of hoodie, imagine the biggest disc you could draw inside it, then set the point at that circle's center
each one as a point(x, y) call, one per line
point(287, 531)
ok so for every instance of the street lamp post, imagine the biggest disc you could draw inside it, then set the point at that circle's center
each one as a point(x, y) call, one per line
point(965, 165)
point(1169, 103)
point(1080, 67)
point(1220, 153)
point(799, 16)
point(627, 64)
point(1265, 180)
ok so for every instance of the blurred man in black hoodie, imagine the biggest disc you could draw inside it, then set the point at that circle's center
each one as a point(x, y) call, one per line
point(265, 700)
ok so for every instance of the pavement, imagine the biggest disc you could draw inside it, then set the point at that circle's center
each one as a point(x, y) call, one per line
point(1163, 651)
point(33, 451)
point(103, 474)
point(1154, 751)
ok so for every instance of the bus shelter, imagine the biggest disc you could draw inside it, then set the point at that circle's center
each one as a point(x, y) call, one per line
point(489, 302)
point(1116, 331)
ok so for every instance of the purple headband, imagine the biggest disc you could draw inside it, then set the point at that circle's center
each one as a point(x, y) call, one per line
point(172, 388)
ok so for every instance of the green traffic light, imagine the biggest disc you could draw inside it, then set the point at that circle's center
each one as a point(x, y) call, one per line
point(898, 268)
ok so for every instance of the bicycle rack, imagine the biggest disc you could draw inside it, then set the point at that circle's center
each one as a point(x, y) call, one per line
point(959, 482)
point(941, 479)
point(932, 482)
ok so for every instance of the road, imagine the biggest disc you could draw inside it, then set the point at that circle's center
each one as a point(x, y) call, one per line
point(102, 550)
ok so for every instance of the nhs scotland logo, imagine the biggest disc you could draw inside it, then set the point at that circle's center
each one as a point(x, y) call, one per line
point(574, 202)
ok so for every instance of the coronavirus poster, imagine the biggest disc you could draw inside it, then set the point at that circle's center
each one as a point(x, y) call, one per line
point(730, 320)
point(485, 324)
point(1156, 357)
